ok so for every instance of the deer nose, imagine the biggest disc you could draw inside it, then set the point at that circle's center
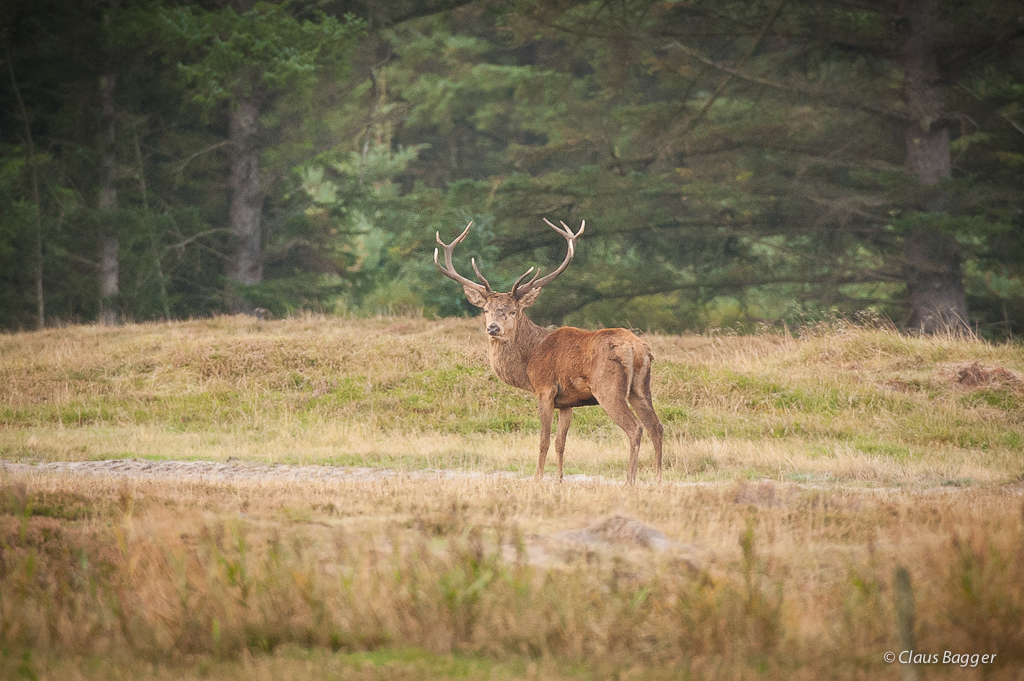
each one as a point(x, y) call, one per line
point(493, 329)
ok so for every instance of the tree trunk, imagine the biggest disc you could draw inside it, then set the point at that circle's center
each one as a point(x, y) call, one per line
point(246, 267)
point(107, 204)
point(932, 258)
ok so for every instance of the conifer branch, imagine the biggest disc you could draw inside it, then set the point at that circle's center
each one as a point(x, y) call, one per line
point(800, 89)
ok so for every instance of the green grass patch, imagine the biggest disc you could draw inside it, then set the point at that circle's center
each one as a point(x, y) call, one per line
point(17, 501)
point(894, 450)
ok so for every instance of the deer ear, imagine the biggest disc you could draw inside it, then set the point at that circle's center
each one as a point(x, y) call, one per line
point(529, 298)
point(474, 296)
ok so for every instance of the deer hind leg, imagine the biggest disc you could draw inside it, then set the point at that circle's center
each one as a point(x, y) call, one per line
point(641, 401)
point(612, 392)
point(564, 419)
point(620, 413)
point(546, 411)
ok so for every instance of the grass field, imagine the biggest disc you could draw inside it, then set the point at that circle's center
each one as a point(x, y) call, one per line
point(803, 471)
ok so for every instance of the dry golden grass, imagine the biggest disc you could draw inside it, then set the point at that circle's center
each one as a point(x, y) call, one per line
point(280, 579)
point(803, 472)
point(863, 405)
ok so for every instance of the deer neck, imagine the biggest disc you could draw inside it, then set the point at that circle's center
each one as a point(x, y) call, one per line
point(509, 359)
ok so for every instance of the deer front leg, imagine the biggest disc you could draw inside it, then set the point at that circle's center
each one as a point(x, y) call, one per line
point(546, 411)
point(564, 419)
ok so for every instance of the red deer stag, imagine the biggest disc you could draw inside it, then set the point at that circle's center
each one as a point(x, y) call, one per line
point(565, 368)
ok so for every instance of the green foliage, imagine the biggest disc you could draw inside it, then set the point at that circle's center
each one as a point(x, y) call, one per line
point(756, 176)
point(17, 224)
point(243, 55)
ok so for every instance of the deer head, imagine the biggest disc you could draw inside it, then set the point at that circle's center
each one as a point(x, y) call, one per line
point(503, 311)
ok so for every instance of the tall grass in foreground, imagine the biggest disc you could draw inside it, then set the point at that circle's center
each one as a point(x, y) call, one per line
point(795, 583)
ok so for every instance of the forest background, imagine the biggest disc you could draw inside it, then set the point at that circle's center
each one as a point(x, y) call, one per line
point(737, 163)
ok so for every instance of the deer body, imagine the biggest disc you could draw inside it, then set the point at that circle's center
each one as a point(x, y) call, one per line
point(567, 367)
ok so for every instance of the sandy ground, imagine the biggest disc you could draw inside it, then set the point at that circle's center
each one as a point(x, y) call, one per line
point(234, 471)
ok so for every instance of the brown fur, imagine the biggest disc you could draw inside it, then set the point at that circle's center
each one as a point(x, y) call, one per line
point(565, 368)
point(573, 368)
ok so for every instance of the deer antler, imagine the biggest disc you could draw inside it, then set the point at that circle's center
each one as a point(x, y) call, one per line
point(535, 283)
point(449, 269)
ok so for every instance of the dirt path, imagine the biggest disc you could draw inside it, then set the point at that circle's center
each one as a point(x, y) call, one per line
point(235, 471)
point(238, 471)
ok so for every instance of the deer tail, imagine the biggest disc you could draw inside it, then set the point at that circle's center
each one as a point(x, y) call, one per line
point(642, 373)
point(645, 368)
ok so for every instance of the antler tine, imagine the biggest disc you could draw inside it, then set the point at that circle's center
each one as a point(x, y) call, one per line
point(568, 235)
point(449, 269)
point(456, 240)
point(515, 286)
point(479, 274)
point(566, 231)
